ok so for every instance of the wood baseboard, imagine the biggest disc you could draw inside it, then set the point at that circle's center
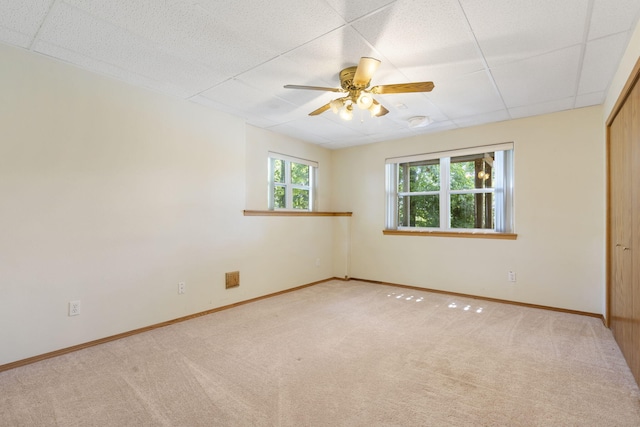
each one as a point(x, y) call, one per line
point(71, 349)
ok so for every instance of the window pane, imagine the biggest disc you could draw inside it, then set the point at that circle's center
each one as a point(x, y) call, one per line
point(472, 211)
point(279, 201)
point(300, 198)
point(475, 171)
point(278, 170)
point(419, 211)
point(416, 177)
point(299, 174)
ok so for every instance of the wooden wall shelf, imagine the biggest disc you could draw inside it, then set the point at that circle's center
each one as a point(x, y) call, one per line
point(462, 234)
point(294, 213)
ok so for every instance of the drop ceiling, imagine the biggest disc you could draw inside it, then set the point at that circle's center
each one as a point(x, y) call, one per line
point(490, 60)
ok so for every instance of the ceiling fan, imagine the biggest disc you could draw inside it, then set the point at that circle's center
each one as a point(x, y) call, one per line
point(354, 82)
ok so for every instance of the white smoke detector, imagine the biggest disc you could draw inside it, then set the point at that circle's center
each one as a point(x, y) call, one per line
point(419, 121)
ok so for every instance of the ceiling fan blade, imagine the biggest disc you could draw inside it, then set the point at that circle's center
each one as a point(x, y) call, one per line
point(320, 110)
point(366, 67)
point(403, 88)
point(327, 89)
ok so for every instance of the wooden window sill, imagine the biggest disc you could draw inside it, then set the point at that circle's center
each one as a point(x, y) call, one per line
point(294, 213)
point(462, 234)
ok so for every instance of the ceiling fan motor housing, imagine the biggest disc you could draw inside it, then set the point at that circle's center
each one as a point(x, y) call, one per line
point(346, 79)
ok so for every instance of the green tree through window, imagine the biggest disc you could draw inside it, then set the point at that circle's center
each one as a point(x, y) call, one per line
point(472, 210)
point(466, 191)
point(290, 184)
point(423, 208)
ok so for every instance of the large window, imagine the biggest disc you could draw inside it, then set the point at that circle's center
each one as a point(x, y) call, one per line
point(468, 189)
point(291, 182)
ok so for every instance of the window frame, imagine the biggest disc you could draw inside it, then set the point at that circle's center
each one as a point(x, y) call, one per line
point(288, 185)
point(502, 190)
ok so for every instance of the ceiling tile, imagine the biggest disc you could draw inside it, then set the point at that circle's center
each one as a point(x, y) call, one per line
point(256, 121)
point(211, 29)
point(20, 20)
point(324, 58)
point(338, 145)
point(353, 9)
point(466, 95)
point(113, 71)
point(279, 25)
point(317, 129)
point(373, 126)
point(180, 30)
point(510, 30)
point(432, 35)
point(14, 38)
point(613, 16)
point(589, 99)
point(600, 62)
point(438, 127)
point(542, 108)
point(254, 101)
point(481, 119)
point(303, 135)
point(273, 75)
point(108, 44)
point(539, 79)
point(404, 106)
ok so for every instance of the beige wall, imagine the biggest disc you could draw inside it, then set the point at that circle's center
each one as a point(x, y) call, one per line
point(285, 248)
point(260, 142)
point(111, 195)
point(559, 215)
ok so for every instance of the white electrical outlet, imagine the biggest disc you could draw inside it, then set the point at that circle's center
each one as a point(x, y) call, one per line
point(182, 288)
point(511, 276)
point(317, 262)
point(74, 308)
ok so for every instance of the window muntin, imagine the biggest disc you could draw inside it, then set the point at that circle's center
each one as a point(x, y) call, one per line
point(291, 182)
point(468, 189)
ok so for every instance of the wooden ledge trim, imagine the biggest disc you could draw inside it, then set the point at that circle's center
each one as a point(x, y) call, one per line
point(463, 234)
point(294, 213)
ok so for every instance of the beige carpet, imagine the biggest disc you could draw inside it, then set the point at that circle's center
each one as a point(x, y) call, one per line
point(340, 354)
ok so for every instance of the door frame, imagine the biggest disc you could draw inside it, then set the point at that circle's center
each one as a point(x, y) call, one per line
point(633, 78)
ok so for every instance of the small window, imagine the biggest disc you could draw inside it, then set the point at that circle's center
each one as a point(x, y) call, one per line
point(291, 183)
point(470, 189)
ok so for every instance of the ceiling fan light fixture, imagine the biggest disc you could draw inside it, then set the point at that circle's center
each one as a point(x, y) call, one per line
point(347, 113)
point(365, 69)
point(365, 101)
point(375, 109)
point(336, 105)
